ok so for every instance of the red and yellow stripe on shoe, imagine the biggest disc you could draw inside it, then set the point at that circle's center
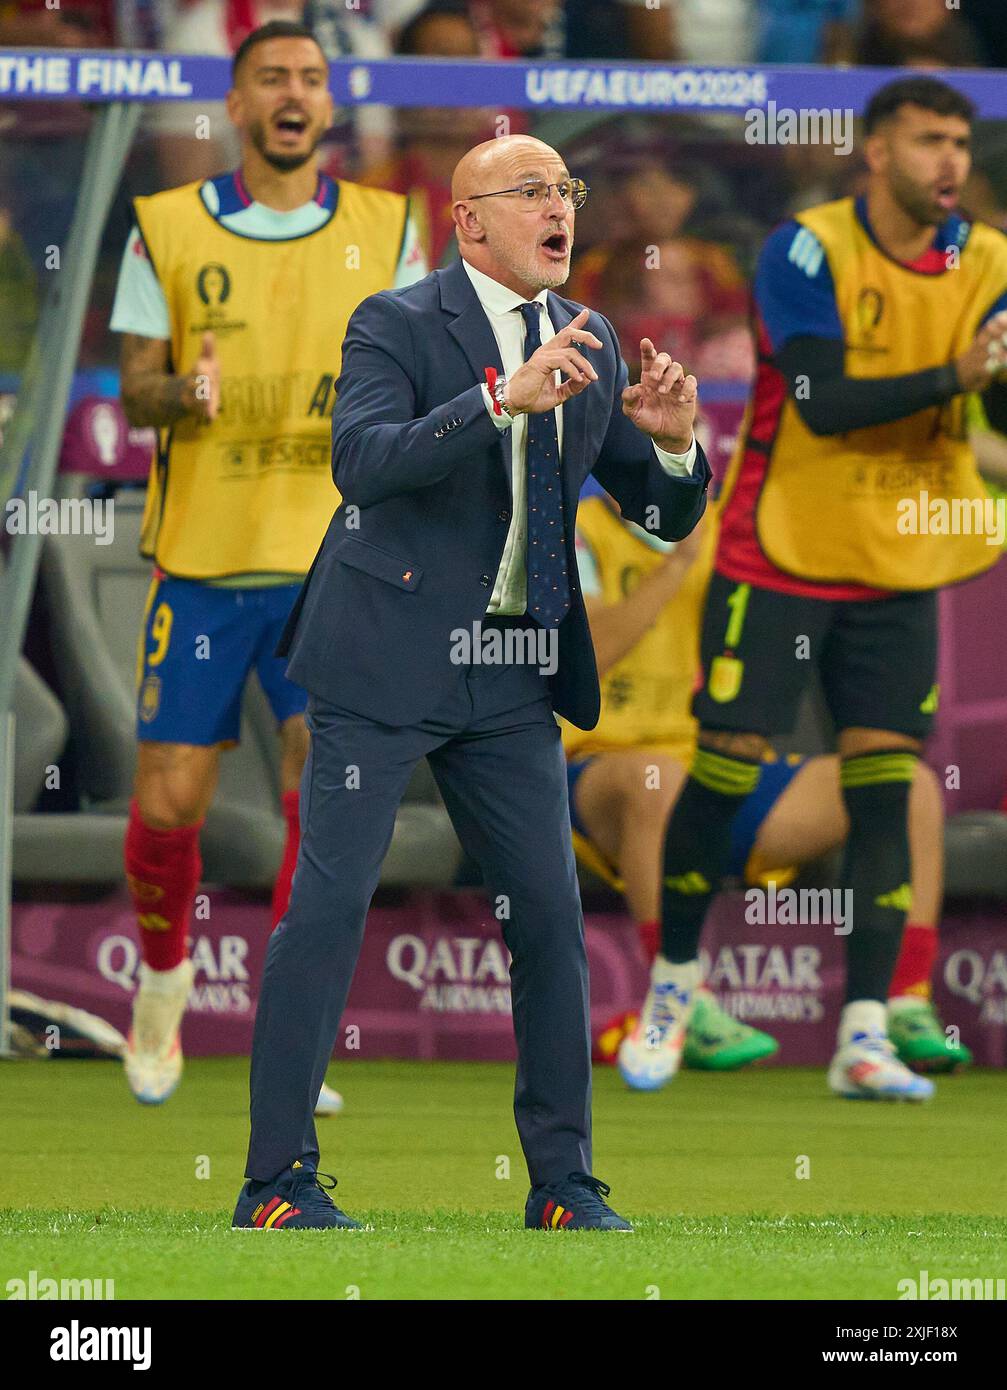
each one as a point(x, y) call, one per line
point(270, 1216)
point(555, 1216)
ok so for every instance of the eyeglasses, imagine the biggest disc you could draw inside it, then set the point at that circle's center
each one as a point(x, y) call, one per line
point(535, 193)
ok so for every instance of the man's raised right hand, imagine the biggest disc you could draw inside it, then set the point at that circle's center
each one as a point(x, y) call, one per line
point(532, 390)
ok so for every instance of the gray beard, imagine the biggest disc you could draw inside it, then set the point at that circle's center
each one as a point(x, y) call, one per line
point(561, 276)
point(528, 270)
point(532, 274)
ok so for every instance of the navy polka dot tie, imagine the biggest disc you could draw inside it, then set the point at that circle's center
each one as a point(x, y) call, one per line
point(548, 584)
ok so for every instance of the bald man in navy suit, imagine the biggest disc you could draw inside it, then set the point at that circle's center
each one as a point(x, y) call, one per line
point(442, 619)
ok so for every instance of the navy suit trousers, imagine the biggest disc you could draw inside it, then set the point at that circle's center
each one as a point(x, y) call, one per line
point(494, 748)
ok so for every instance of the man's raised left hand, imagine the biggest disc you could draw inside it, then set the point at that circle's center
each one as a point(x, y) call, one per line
point(663, 403)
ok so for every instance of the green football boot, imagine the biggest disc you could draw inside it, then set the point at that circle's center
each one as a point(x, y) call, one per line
point(920, 1039)
point(714, 1041)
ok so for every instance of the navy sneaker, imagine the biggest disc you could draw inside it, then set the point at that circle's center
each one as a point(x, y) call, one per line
point(295, 1199)
point(575, 1203)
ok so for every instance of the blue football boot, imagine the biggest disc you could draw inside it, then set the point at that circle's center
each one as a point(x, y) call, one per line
point(295, 1199)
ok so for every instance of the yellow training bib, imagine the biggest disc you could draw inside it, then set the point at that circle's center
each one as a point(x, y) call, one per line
point(252, 492)
point(898, 506)
point(645, 697)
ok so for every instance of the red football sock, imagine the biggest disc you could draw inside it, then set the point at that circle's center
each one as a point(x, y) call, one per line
point(162, 869)
point(281, 888)
point(916, 961)
point(650, 938)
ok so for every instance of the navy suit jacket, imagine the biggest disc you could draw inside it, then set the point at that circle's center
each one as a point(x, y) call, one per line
point(412, 552)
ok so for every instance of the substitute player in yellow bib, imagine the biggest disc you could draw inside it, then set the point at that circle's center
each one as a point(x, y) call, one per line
point(852, 496)
point(233, 300)
point(249, 493)
point(644, 599)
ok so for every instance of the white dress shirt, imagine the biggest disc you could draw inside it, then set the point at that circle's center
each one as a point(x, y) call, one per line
point(501, 305)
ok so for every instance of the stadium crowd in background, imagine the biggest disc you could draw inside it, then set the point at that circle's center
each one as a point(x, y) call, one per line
point(430, 140)
point(673, 219)
point(885, 32)
point(78, 24)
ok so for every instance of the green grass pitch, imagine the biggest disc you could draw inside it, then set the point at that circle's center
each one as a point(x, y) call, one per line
point(93, 1185)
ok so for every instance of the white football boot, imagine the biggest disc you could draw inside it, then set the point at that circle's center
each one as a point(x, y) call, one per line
point(153, 1056)
point(329, 1102)
point(866, 1066)
point(651, 1054)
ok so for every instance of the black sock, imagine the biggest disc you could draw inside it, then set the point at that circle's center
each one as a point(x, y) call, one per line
point(697, 847)
point(876, 867)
